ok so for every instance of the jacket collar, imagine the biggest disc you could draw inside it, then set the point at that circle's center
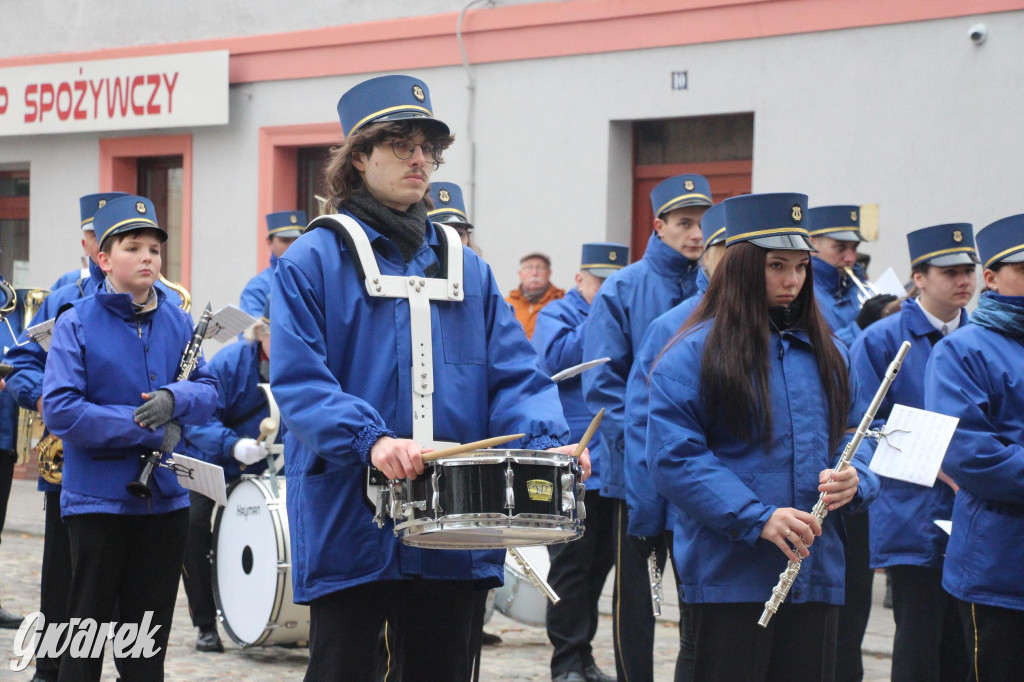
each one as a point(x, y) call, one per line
point(387, 248)
point(702, 281)
point(576, 299)
point(665, 260)
point(917, 322)
point(121, 304)
point(830, 278)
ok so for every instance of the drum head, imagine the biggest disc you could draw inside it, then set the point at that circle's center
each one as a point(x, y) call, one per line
point(245, 563)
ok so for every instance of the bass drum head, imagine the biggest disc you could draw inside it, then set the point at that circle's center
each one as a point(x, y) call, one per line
point(518, 598)
point(246, 559)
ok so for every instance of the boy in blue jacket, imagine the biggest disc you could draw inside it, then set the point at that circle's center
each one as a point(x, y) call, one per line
point(109, 392)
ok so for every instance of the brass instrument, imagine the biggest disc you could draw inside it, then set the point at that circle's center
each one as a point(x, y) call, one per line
point(865, 289)
point(51, 459)
point(186, 298)
point(820, 510)
point(30, 423)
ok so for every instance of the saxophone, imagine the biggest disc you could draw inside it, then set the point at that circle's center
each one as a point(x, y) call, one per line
point(30, 424)
point(186, 298)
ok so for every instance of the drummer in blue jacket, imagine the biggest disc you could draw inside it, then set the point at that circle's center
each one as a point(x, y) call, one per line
point(283, 228)
point(651, 518)
point(578, 569)
point(626, 304)
point(109, 391)
point(229, 440)
point(929, 640)
point(340, 371)
point(749, 409)
point(25, 384)
point(977, 376)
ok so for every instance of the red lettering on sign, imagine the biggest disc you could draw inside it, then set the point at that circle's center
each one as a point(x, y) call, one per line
point(116, 95)
point(45, 99)
point(154, 80)
point(80, 88)
point(95, 87)
point(136, 82)
point(64, 109)
point(3, 100)
point(30, 103)
point(170, 90)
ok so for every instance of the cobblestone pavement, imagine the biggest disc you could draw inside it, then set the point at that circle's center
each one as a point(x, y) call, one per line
point(523, 655)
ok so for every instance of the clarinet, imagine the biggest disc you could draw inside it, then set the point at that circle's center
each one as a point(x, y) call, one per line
point(140, 486)
point(820, 511)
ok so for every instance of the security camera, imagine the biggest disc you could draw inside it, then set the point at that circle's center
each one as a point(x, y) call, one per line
point(977, 33)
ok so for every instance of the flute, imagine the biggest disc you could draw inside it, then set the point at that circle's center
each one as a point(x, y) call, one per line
point(654, 577)
point(534, 577)
point(820, 511)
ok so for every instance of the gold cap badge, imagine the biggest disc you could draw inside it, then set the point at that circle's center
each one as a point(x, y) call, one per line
point(294, 218)
point(140, 207)
point(853, 216)
point(444, 196)
point(958, 236)
point(417, 92)
point(613, 256)
point(688, 185)
point(103, 202)
point(797, 213)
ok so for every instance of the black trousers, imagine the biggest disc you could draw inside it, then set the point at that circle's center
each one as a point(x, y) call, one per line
point(431, 621)
point(577, 574)
point(55, 579)
point(993, 637)
point(798, 645)
point(853, 616)
point(929, 641)
point(8, 458)
point(135, 560)
point(197, 571)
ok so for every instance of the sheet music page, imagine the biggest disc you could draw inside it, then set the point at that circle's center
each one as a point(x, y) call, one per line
point(42, 333)
point(889, 283)
point(914, 445)
point(944, 525)
point(202, 477)
point(228, 322)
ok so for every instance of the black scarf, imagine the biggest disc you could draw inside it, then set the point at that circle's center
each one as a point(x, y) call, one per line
point(405, 229)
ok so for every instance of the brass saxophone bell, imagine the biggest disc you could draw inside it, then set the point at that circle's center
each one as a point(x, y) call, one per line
point(51, 459)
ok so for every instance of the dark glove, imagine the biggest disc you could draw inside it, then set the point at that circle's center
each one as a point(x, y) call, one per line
point(872, 309)
point(156, 411)
point(172, 434)
point(646, 545)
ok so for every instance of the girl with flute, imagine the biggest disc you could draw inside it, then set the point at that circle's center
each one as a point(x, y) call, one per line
point(749, 406)
point(977, 375)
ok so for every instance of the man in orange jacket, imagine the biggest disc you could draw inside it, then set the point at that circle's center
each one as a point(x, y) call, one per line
point(535, 290)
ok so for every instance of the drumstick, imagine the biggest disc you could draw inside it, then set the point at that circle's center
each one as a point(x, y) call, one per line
point(476, 445)
point(588, 434)
point(267, 427)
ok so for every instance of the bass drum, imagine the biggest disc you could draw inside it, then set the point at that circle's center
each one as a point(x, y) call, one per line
point(252, 576)
point(518, 598)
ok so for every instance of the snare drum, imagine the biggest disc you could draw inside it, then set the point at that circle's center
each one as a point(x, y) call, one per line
point(252, 581)
point(518, 598)
point(490, 500)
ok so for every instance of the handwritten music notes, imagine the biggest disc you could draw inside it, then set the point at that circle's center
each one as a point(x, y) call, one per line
point(228, 322)
point(913, 444)
point(202, 477)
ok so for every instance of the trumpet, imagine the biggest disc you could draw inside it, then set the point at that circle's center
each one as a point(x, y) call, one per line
point(865, 289)
point(820, 510)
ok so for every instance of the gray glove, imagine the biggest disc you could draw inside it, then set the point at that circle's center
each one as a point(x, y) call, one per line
point(156, 411)
point(172, 434)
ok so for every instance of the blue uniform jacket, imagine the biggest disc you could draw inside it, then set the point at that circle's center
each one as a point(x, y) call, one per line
point(902, 528)
point(8, 403)
point(241, 406)
point(256, 292)
point(837, 299)
point(977, 374)
point(25, 383)
point(727, 488)
point(558, 340)
point(340, 374)
point(102, 358)
point(69, 277)
point(625, 305)
point(650, 514)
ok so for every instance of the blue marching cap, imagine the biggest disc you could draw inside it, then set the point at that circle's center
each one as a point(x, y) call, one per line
point(449, 208)
point(712, 225)
point(286, 223)
point(91, 203)
point(126, 214)
point(680, 191)
point(772, 221)
point(841, 223)
point(1002, 241)
point(943, 245)
point(604, 258)
point(387, 98)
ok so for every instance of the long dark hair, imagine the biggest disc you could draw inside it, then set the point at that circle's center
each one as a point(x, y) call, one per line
point(734, 371)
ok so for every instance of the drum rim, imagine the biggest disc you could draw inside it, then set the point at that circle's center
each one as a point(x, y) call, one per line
point(556, 459)
point(409, 533)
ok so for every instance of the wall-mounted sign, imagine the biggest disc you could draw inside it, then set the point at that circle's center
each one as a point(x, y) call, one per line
point(165, 91)
point(680, 80)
